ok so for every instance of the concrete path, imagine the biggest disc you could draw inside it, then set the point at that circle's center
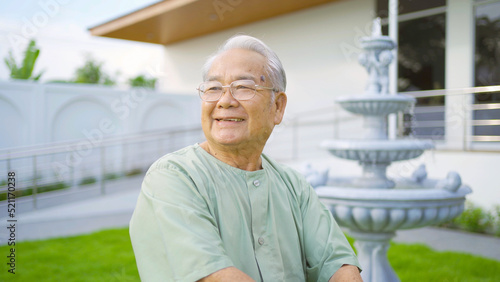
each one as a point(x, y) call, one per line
point(114, 210)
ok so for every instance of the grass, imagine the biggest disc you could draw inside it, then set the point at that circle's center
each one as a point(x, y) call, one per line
point(102, 256)
point(108, 256)
point(417, 262)
point(420, 263)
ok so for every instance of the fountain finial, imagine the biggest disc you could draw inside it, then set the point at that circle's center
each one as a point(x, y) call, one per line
point(376, 28)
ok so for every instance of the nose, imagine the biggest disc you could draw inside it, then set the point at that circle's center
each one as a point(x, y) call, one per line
point(227, 99)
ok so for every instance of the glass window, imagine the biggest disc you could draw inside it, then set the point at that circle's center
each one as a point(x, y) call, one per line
point(421, 62)
point(421, 54)
point(407, 6)
point(487, 57)
point(487, 69)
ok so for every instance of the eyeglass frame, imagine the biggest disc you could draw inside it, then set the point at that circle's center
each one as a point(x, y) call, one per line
point(231, 92)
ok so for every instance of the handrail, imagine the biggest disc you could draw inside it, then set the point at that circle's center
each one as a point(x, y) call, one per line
point(46, 167)
point(462, 114)
point(60, 147)
point(305, 119)
point(450, 92)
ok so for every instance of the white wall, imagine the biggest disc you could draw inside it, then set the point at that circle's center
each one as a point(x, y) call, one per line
point(318, 48)
point(33, 113)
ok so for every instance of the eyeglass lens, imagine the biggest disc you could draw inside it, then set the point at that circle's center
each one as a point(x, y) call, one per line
point(240, 89)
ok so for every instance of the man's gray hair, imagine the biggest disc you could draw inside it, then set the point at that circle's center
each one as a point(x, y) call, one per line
point(275, 69)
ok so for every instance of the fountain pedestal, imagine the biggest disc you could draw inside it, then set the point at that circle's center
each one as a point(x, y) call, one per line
point(372, 255)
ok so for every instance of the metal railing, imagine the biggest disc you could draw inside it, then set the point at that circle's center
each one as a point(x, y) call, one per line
point(74, 165)
point(463, 114)
point(68, 167)
point(455, 120)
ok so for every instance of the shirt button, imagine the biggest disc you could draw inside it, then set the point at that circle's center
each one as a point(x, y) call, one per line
point(256, 183)
point(261, 241)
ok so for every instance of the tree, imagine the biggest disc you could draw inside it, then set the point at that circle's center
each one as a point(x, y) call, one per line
point(25, 70)
point(91, 72)
point(142, 81)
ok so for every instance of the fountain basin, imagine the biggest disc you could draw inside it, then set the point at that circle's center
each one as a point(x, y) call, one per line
point(377, 43)
point(375, 104)
point(382, 211)
point(377, 151)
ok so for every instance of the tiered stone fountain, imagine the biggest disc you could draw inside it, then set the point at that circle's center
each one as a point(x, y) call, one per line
point(372, 207)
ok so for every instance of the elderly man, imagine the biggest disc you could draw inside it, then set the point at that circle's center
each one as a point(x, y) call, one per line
point(223, 211)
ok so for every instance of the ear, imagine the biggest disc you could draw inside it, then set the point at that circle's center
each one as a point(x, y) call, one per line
point(280, 104)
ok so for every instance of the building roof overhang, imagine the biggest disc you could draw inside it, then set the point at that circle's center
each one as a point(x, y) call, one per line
point(172, 21)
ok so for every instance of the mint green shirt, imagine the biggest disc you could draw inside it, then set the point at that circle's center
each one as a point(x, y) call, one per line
point(196, 215)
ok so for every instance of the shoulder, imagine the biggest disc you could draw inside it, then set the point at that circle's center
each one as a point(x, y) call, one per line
point(289, 175)
point(177, 160)
point(176, 165)
point(176, 173)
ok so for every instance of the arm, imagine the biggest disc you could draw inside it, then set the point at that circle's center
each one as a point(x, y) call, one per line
point(327, 250)
point(172, 231)
point(346, 273)
point(227, 274)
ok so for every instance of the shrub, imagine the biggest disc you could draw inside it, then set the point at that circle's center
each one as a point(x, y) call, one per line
point(142, 81)
point(87, 180)
point(476, 219)
point(111, 176)
point(24, 70)
point(134, 171)
point(40, 189)
point(52, 187)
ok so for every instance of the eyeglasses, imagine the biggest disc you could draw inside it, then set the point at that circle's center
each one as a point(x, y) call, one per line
point(241, 90)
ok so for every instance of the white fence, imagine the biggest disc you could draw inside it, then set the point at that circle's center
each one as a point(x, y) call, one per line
point(34, 113)
point(58, 136)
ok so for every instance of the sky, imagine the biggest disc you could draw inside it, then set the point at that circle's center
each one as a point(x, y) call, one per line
point(60, 28)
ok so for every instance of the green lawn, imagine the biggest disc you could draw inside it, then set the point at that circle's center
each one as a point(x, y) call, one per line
point(108, 256)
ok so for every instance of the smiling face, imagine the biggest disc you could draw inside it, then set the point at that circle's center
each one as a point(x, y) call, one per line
point(241, 125)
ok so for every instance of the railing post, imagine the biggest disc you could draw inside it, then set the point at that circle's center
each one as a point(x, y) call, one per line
point(295, 140)
point(124, 158)
point(35, 184)
point(335, 122)
point(468, 116)
point(103, 170)
point(74, 185)
point(8, 162)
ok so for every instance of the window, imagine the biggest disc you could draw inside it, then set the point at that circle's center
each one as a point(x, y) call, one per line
point(487, 57)
point(486, 107)
point(421, 62)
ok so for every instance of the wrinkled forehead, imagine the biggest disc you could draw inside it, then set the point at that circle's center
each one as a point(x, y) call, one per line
point(238, 64)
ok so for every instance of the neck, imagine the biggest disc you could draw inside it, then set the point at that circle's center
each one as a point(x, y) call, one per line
point(245, 159)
